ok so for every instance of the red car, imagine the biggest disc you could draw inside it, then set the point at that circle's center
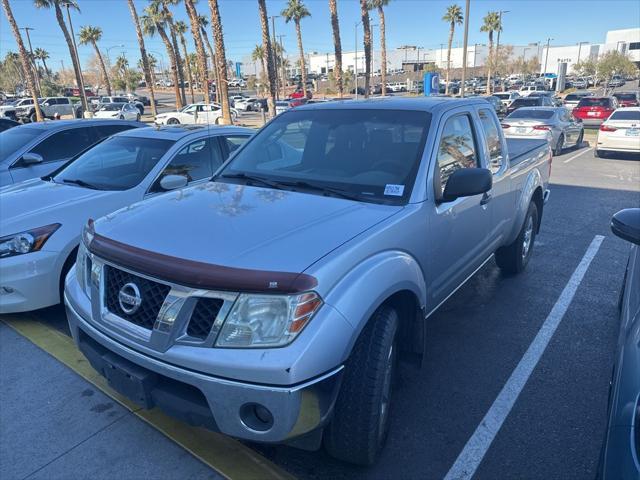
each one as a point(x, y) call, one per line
point(627, 99)
point(595, 110)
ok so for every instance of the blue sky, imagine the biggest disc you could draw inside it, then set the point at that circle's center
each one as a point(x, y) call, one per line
point(413, 22)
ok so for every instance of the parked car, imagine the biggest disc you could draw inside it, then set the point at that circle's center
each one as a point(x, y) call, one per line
point(397, 87)
point(35, 150)
point(571, 101)
point(282, 106)
point(50, 106)
point(580, 83)
point(507, 97)
point(497, 104)
point(627, 99)
point(311, 213)
point(123, 111)
point(259, 105)
point(7, 123)
point(126, 168)
point(528, 89)
point(554, 123)
point(616, 81)
point(555, 100)
point(595, 110)
point(207, 113)
point(245, 104)
point(8, 108)
point(123, 99)
point(542, 101)
point(620, 458)
point(619, 133)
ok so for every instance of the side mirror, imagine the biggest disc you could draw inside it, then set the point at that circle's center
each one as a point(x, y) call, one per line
point(172, 182)
point(46, 104)
point(31, 158)
point(626, 225)
point(467, 182)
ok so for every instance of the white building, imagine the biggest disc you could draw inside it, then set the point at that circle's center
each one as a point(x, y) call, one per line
point(626, 41)
point(570, 55)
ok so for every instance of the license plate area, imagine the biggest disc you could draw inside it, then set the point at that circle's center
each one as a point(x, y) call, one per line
point(130, 380)
point(521, 130)
point(632, 132)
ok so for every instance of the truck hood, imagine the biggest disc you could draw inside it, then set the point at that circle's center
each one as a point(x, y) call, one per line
point(242, 226)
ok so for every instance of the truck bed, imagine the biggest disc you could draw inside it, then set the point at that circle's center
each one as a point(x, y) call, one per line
point(519, 148)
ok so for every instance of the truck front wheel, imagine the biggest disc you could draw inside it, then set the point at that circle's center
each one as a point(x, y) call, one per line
point(513, 258)
point(360, 422)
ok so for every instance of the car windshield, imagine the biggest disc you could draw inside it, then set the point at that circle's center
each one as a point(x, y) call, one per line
point(15, 138)
point(532, 114)
point(625, 115)
point(502, 96)
point(118, 163)
point(370, 155)
point(625, 96)
point(112, 107)
point(519, 102)
point(594, 102)
point(573, 97)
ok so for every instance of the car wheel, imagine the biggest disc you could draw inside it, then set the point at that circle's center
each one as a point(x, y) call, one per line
point(140, 109)
point(580, 138)
point(218, 121)
point(121, 117)
point(360, 421)
point(68, 263)
point(559, 145)
point(138, 117)
point(33, 118)
point(599, 153)
point(513, 258)
point(173, 121)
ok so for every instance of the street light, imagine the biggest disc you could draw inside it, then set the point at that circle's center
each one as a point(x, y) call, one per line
point(546, 57)
point(274, 54)
point(109, 49)
point(355, 62)
point(579, 49)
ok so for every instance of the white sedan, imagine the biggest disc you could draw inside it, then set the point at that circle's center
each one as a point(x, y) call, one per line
point(123, 111)
point(619, 133)
point(195, 113)
point(43, 217)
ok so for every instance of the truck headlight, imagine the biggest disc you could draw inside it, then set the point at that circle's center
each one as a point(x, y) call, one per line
point(27, 241)
point(260, 321)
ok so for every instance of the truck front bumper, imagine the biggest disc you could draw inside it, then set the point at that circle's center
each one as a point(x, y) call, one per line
point(261, 413)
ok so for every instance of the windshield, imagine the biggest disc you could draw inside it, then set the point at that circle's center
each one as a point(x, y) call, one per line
point(502, 96)
point(625, 96)
point(530, 113)
point(118, 163)
point(594, 102)
point(625, 115)
point(112, 107)
point(519, 102)
point(14, 139)
point(370, 154)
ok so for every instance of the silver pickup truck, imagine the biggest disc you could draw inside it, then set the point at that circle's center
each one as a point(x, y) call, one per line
point(274, 303)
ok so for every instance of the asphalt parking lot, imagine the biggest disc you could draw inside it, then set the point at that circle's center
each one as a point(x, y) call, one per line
point(553, 419)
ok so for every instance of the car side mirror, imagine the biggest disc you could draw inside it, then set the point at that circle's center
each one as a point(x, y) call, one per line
point(626, 225)
point(31, 158)
point(467, 182)
point(172, 182)
point(46, 104)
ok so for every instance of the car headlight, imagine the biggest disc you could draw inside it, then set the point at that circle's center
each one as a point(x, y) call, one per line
point(27, 241)
point(261, 321)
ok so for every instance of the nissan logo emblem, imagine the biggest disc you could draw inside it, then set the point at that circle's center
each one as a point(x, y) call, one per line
point(129, 298)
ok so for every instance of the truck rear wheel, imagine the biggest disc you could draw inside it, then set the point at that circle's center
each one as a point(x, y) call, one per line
point(360, 422)
point(513, 258)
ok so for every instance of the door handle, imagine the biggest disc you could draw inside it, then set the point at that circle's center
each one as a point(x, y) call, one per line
point(486, 198)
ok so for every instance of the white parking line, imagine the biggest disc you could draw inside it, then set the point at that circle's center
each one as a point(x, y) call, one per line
point(577, 155)
point(474, 451)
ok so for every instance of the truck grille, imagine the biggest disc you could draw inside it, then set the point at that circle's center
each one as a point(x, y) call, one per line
point(152, 293)
point(204, 314)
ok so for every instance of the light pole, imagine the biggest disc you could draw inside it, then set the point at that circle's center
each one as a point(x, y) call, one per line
point(83, 95)
point(355, 62)
point(109, 49)
point(464, 48)
point(274, 52)
point(524, 59)
point(546, 57)
point(373, 62)
point(580, 49)
point(498, 42)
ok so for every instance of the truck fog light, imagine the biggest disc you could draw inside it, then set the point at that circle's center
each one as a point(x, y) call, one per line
point(256, 417)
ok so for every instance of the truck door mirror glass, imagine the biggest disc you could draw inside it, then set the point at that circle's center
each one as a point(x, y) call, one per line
point(467, 182)
point(172, 182)
point(31, 158)
point(626, 224)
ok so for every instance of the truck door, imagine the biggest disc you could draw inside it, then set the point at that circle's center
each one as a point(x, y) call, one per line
point(459, 228)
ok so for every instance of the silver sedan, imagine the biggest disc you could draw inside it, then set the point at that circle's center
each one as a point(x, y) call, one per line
point(556, 124)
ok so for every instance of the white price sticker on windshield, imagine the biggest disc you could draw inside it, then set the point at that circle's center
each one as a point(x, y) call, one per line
point(394, 190)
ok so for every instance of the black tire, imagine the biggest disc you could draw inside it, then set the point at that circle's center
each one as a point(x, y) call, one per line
point(121, 117)
point(360, 422)
point(580, 139)
point(559, 144)
point(173, 121)
point(137, 117)
point(599, 154)
point(140, 109)
point(33, 118)
point(513, 258)
point(68, 263)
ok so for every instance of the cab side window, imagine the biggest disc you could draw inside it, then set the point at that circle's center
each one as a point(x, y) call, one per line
point(492, 136)
point(457, 148)
point(197, 160)
point(66, 144)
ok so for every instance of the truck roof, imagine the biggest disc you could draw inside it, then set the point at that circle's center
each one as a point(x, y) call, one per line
point(426, 104)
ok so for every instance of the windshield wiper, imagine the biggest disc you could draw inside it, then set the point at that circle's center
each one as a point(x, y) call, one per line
point(81, 183)
point(330, 191)
point(251, 178)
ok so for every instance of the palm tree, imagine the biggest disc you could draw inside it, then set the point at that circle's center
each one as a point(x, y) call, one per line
point(366, 26)
point(221, 62)
point(181, 28)
point(296, 11)
point(57, 6)
point(491, 23)
point(204, 23)
point(147, 67)
point(153, 22)
point(24, 57)
point(92, 35)
point(164, 6)
point(379, 5)
point(42, 55)
point(337, 46)
point(268, 55)
point(454, 17)
point(197, 38)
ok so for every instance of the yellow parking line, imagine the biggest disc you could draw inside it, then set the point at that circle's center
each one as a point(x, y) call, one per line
point(227, 456)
